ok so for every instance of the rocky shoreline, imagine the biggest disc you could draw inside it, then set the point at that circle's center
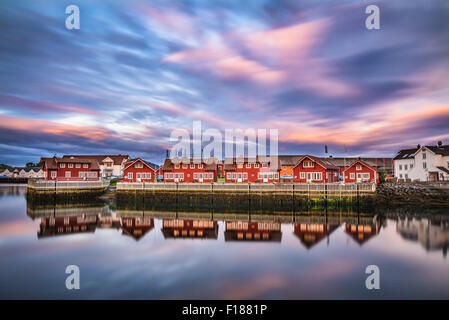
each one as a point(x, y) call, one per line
point(414, 194)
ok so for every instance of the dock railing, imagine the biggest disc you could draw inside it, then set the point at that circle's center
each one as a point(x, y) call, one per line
point(39, 184)
point(319, 189)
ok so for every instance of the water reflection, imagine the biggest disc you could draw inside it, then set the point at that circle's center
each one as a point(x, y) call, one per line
point(431, 233)
point(244, 254)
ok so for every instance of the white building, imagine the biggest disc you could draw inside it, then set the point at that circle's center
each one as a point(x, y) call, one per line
point(427, 163)
point(404, 162)
point(23, 172)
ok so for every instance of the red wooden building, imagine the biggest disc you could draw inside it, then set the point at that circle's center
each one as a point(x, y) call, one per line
point(310, 169)
point(360, 171)
point(189, 170)
point(70, 169)
point(260, 169)
point(194, 229)
point(136, 227)
point(253, 231)
point(138, 170)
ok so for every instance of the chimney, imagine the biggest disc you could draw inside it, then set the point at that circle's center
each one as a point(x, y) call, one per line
point(166, 154)
point(440, 144)
point(418, 146)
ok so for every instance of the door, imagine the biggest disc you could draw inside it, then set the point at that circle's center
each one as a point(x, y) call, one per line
point(239, 179)
point(359, 177)
point(309, 177)
point(265, 177)
point(201, 177)
point(138, 177)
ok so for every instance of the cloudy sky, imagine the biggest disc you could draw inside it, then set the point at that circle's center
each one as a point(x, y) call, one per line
point(136, 70)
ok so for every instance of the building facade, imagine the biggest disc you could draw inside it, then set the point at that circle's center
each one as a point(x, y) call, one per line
point(138, 170)
point(360, 171)
point(260, 169)
point(110, 165)
point(70, 169)
point(189, 170)
point(310, 169)
point(404, 162)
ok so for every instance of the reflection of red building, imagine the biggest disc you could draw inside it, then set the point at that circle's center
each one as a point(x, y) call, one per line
point(137, 227)
point(64, 225)
point(189, 170)
point(260, 169)
point(360, 171)
point(312, 233)
point(179, 228)
point(315, 170)
point(253, 231)
point(363, 230)
point(70, 169)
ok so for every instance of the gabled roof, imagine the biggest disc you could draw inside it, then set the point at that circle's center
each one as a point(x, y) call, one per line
point(146, 163)
point(230, 164)
point(373, 162)
point(52, 163)
point(362, 163)
point(406, 154)
point(322, 162)
point(289, 160)
point(442, 150)
point(118, 159)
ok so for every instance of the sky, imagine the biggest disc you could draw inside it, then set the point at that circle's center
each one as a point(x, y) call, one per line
point(137, 70)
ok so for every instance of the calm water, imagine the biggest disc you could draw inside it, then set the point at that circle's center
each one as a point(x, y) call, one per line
point(160, 255)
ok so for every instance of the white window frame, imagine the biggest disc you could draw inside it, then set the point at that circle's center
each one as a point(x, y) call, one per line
point(308, 164)
point(130, 175)
point(70, 165)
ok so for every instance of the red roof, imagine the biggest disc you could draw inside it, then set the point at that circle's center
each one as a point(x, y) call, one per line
point(118, 159)
point(361, 162)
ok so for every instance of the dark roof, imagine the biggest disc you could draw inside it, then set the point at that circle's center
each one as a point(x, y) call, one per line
point(210, 163)
point(231, 163)
point(444, 169)
point(443, 150)
point(373, 162)
point(118, 159)
point(289, 160)
point(52, 163)
point(405, 154)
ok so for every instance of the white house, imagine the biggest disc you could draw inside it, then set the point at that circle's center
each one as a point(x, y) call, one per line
point(110, 165)
point(23, 172)
point(428, 163)
point(404, 162)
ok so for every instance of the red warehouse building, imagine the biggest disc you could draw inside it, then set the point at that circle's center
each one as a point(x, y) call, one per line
point(253, 231)
point(310, 169)
point(260, 169)
point(189, 170)
point(70, 169)
point(360, 171)
point(138, 170)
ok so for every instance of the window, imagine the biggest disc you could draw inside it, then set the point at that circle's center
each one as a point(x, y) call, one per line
point(70, 165)
point(411, 166)
point(400, 167)
point(78, 165)
point(138, 165)
point(307, 164)
point(67, 174)
point(248, 165)
point(405, 167)
point(317, 176)
point(400, 176)
point(358, 168)
point(366, 176)
point(130, 175)
point(184, 166)
point(424, 165)
point(181, 176)
point(166, 176)
point(176, 166)
point(240, 166)
point(265, 165)
point(245, 176)
point(195, 176)
point(276, 175)
point(302, 175)
point(53, 174)
point(138, 175)
point(256, 165)
point(109, 164)
point(229, 176)
point(192, 166)
point(62, 165)
point(233, 176)
point(66, 220)
point(352, 176)
point(200, 166)
point(284, 167)
point(406, 176)
point(85, 165)
point(424, 156)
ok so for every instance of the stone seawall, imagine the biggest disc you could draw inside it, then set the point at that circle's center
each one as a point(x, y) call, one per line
point(393, 194)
